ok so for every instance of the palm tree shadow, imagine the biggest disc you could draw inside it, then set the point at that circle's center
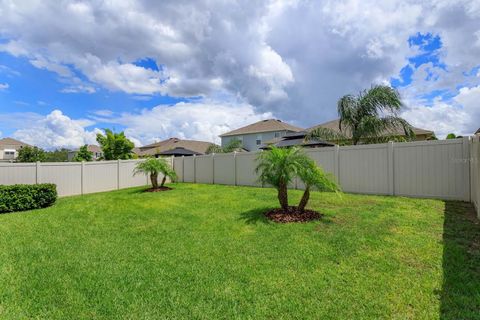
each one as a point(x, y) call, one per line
point(255, 216)
point(460, 296)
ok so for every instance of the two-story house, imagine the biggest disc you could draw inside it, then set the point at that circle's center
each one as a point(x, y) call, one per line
point(9, 149)
point(256, 134)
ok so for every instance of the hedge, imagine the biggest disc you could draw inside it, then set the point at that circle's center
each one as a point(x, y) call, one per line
point(21, 197)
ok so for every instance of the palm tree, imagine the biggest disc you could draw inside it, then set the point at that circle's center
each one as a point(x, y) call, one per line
point(369, 115)
point(154, 166)
point(279, 166)
point(314, 176)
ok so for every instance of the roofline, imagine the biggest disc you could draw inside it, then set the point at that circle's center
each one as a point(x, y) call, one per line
point(253, 132)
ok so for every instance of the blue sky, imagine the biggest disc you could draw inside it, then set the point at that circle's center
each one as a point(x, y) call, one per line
point(160, 72)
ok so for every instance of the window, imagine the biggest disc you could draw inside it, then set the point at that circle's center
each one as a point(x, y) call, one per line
point(259, 139)
point(277, 134)
point(9, 153)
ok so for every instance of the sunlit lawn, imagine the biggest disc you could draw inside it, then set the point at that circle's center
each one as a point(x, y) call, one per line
point(206, 252)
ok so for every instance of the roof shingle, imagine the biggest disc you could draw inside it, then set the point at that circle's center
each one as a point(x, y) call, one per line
point(268, 125)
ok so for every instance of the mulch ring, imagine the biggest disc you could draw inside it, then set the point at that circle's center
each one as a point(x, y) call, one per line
point(159, 189)
point(292, 215)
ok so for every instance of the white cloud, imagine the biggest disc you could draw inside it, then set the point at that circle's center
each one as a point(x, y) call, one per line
point(4, 86)
point(56, 130)
point(200, 121)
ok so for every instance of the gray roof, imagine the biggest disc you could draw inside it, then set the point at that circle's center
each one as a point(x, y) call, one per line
point(198, 147)
point(12, 142)
point(268, 125)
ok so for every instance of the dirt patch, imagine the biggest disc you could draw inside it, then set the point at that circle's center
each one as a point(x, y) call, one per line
point(159, 189)
point(292, 215)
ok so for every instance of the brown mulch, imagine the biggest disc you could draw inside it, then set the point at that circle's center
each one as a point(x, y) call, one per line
point(159, 189)
point(292, 215)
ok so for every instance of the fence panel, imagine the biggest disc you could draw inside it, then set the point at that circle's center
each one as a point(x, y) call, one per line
point(100, 176)
point(436, 169)
point(18, 173)
point(364, 169)
point(245, 169)
point(475, 173)
point(224, 169)
point(189, 169)
point(204, 169)
point(127, 179)
point(178, 167)
point(67, 177)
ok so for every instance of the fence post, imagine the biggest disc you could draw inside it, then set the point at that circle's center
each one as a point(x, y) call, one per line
point(194, 168)
point(466, 162)
point(118, 174)
point(390, 168)
point(234, 168)
point(37, 172)
point(336, 162)
point(213, 168)
point(183, 168)
point(82, 177)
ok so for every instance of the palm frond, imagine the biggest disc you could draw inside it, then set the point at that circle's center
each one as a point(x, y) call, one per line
point(326, 134)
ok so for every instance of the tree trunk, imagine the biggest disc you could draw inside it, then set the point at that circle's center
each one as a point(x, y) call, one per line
point(163, 181)
point(154, 180)
point(305, 198)
point(283, 196)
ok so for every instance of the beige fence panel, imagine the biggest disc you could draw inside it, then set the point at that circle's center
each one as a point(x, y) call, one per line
point(189, 169)
point(67, 177)
point(245, 169)
point(100, 176)
point(127, 179)
point(364, 169)
point(204, 169)
point(178, 167)
point(224, 168)
point(436, 169)
point(18, 173)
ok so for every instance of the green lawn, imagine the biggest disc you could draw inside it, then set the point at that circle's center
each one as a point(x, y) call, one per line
point(206, 252)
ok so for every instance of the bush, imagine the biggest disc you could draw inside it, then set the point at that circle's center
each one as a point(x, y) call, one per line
point(22, 197)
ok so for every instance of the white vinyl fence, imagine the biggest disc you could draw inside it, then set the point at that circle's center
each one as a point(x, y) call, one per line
point(74, 178)
point(430, 169)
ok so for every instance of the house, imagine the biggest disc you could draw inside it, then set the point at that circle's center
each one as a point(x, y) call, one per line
point(296, 139)
point(94, 149)
point(256, 134)
point(175, 147)
point(9, 148)
point(477, 133)
point(420, 134)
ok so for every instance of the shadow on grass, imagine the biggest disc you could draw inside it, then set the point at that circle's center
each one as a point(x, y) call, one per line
point(255, 216)
point(460, 297)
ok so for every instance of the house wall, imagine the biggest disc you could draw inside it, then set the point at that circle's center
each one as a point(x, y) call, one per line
point(249, 140)
point(74, 178)
point(429, 169)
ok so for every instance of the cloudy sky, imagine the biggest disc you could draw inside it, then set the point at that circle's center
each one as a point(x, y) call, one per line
point(195, 69)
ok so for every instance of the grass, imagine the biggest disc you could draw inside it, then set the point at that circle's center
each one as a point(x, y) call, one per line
point(207, 252)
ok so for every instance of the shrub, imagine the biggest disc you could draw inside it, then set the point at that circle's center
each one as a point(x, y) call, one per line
point(22, 197)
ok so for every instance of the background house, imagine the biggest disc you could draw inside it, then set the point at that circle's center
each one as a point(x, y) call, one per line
point(96, 150)
point(421, 134)
point(256, 134)
point(295, 139)
point(175, 147)
point(9, 148)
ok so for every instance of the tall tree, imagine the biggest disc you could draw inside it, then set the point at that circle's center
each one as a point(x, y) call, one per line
point(31, 154)
point(370, 115)
point(115, 146)
point(83, 154)
point(57, 155)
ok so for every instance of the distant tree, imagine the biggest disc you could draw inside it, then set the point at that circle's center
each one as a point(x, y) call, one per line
point(31, 154)
point(83, 154)
point(115, 146)
point(232, 145)
point(451, 136)
point(366, 116)
point(57, 155)
point(153, 167)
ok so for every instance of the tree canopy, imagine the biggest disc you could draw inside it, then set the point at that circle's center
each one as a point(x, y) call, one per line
point(31, 154)
point(115, 146)
point(83, 154)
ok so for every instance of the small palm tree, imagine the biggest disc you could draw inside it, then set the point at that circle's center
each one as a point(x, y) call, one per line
point(367, 116)
point(154, 166)
point(314, 176)
point(279, 166)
